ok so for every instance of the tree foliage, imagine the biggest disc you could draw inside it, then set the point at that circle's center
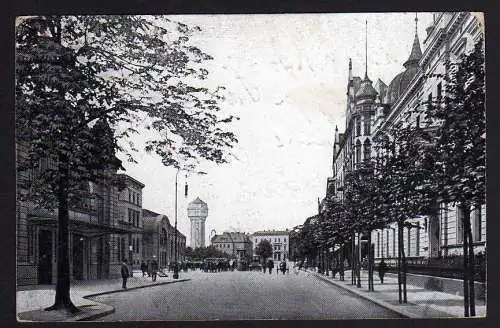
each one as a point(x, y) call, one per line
point(264, 249)
point(460, 142)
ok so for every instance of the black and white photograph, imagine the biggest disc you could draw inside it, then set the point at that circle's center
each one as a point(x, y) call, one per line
point(281, 166)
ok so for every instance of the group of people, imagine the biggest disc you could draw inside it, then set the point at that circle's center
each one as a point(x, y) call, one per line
point(218, 266)
point(150, 268)
point(382, 269)
point(270, 265)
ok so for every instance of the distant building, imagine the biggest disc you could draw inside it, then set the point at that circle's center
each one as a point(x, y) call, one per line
point(279, 239)
point(197, 213)
point(130, 201)
point(159, 239)
point(236, 244)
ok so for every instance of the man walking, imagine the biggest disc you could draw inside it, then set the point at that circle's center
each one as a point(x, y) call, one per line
point(283, 266)
point(382, 269)
point(154, 269)
point(125, 273)
point(144, 268)
point(270, 265)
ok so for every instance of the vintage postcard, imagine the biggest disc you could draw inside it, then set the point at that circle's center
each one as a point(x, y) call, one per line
point(252, 166)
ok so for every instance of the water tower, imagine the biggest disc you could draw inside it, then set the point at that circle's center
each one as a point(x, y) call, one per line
point(197, 213)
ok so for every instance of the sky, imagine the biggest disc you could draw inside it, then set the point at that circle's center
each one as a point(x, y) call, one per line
point(285, 77)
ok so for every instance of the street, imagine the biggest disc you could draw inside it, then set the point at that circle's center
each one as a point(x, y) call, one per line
point(241, 295)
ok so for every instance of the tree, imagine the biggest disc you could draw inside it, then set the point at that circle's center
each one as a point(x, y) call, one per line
point(407, 189)
point(83, 85)
point(460, 148)
point(264, 249)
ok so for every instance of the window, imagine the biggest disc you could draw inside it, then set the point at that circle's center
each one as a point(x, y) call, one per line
point(358, 126)
point(358, 151)
point(418, 121)
point(477, 223)
point(417, 240)
point(408, 239)
point(460, 226)
point(444, 223)
point(439, 91)
point(393, 242)
point(378, 244)
point(367, 150)
point(387, 243)
point(367, 124)
point(129, 195)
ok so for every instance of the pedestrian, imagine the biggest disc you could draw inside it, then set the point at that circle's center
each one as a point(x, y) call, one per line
point(270, 265)
point(144, 268)
point(125, 273)
point(382, 269)
point(283, 266)
point(154, 269)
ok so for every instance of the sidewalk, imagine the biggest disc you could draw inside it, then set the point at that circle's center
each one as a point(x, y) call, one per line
point(32, 300)
point(422, 303)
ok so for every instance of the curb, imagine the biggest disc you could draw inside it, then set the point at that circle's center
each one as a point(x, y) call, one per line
point(96, 315)
point(369, 298)
point(107, 308)
point(112, 309)
point(133, 288)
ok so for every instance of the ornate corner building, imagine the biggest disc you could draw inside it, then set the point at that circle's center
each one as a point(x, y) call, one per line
point(371, 110)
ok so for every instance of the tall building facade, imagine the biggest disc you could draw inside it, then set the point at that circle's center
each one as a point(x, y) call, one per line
point(279, 239)
point(197, 213)
point(96, 229)
point(130, 201)
point(372, 112)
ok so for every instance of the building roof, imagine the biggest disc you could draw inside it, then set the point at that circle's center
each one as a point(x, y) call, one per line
point(416, 53)
point(271, 232)
point(366, 90)
point(401, 81)
point(229, 237)
point(198, 201)
point(128, 178)
point(146, 213)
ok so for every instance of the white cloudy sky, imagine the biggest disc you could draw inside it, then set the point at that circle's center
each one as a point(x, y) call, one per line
point(286, 79)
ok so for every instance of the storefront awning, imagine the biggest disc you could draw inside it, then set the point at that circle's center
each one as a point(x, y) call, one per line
point(85, 228)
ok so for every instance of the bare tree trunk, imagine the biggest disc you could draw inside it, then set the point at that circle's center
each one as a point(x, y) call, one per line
point(405, 270)
point(472, 263)
point(370, 263)
point(62, 298)
point(465, 260)
point(327, 262)
point(358, 262)
point(353, 260)
point(400, 235)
